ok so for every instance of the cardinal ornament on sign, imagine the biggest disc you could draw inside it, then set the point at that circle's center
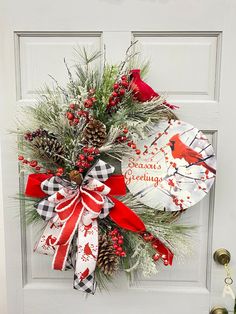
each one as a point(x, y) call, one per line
point(176, 167)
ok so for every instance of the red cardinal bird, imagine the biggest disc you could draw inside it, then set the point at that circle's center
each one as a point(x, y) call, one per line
point(84, 274)
point(180, 150)
point(142, 91)
point(88, 251)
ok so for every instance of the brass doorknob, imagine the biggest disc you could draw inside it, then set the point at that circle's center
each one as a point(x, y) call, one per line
point(222, 256)
point(219, 310)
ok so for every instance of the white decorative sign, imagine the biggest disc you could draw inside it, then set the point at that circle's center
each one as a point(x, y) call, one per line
point(175, 169)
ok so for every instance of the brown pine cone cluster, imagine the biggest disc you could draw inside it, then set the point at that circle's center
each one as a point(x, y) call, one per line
point(107, 260)
point(95, 133)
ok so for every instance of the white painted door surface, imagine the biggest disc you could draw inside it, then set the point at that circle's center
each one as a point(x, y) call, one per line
point(192, 48)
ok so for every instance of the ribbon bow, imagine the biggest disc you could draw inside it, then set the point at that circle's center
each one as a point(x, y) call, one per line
point(73, 210)
point(76, 209)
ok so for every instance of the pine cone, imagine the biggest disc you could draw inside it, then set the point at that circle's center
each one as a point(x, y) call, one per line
point(95, 133)
point(107, 260)
point(49, 146)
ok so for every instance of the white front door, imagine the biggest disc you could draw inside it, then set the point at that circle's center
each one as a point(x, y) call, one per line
point(192, 48)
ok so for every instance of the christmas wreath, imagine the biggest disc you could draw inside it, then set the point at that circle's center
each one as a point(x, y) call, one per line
point(83, 145)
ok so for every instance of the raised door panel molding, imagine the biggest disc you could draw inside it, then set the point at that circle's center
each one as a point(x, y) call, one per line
point(185, 66)
point(41, 54)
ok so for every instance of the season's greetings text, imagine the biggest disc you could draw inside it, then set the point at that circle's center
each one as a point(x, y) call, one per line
point(140, 171)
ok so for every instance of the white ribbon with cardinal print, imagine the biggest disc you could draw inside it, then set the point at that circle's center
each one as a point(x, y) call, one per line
point(73, 210)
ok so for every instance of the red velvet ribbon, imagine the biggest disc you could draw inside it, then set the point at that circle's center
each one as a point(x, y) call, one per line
point(122, 215)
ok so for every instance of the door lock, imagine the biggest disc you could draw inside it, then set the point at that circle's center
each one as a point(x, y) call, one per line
point(219, 310)
point(222, 257)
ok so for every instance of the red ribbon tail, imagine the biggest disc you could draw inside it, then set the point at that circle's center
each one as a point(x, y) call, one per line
point(125, 218)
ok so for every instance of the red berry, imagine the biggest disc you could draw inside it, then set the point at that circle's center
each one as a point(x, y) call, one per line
point(93, 99)
point(125, 130)
point(20, 157)
point(138, 151)
point(33, 163)
point(119, 249)
point(81, 170)
point(58, 174)
point(72, 106)
point(91, 150)
point(76, 121)
point(114, 239)
point(124, 83)
point(114, 94)
point(70, 116)
point(81, 157)
point(121, 91)
point(88, 103)
point(80, 112)
point(123, 254)
point(130, 144)
point(120, 241)
point(86, 165)
point(112, 103)
point(156, 257)
point(49, 171)
point(166, 263)
point(124, 78)
point(37, 168)
point(90, 158)
point(85, 149)
point(60, 170)
point(78, 163)
point(133, 146)
point(116, 86)
point(115, 246)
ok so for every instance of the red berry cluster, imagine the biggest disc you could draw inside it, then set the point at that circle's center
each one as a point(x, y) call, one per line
point(148, 237)
point(123, 137)
point(32, 163)
point(59, 172)
point(117, 240)
point(86, 158)
point(29, 136)
point(74, 116)
point(75, 113)
point(119, 90)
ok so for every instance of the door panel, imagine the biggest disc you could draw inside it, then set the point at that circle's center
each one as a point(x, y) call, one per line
point(192, 61)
